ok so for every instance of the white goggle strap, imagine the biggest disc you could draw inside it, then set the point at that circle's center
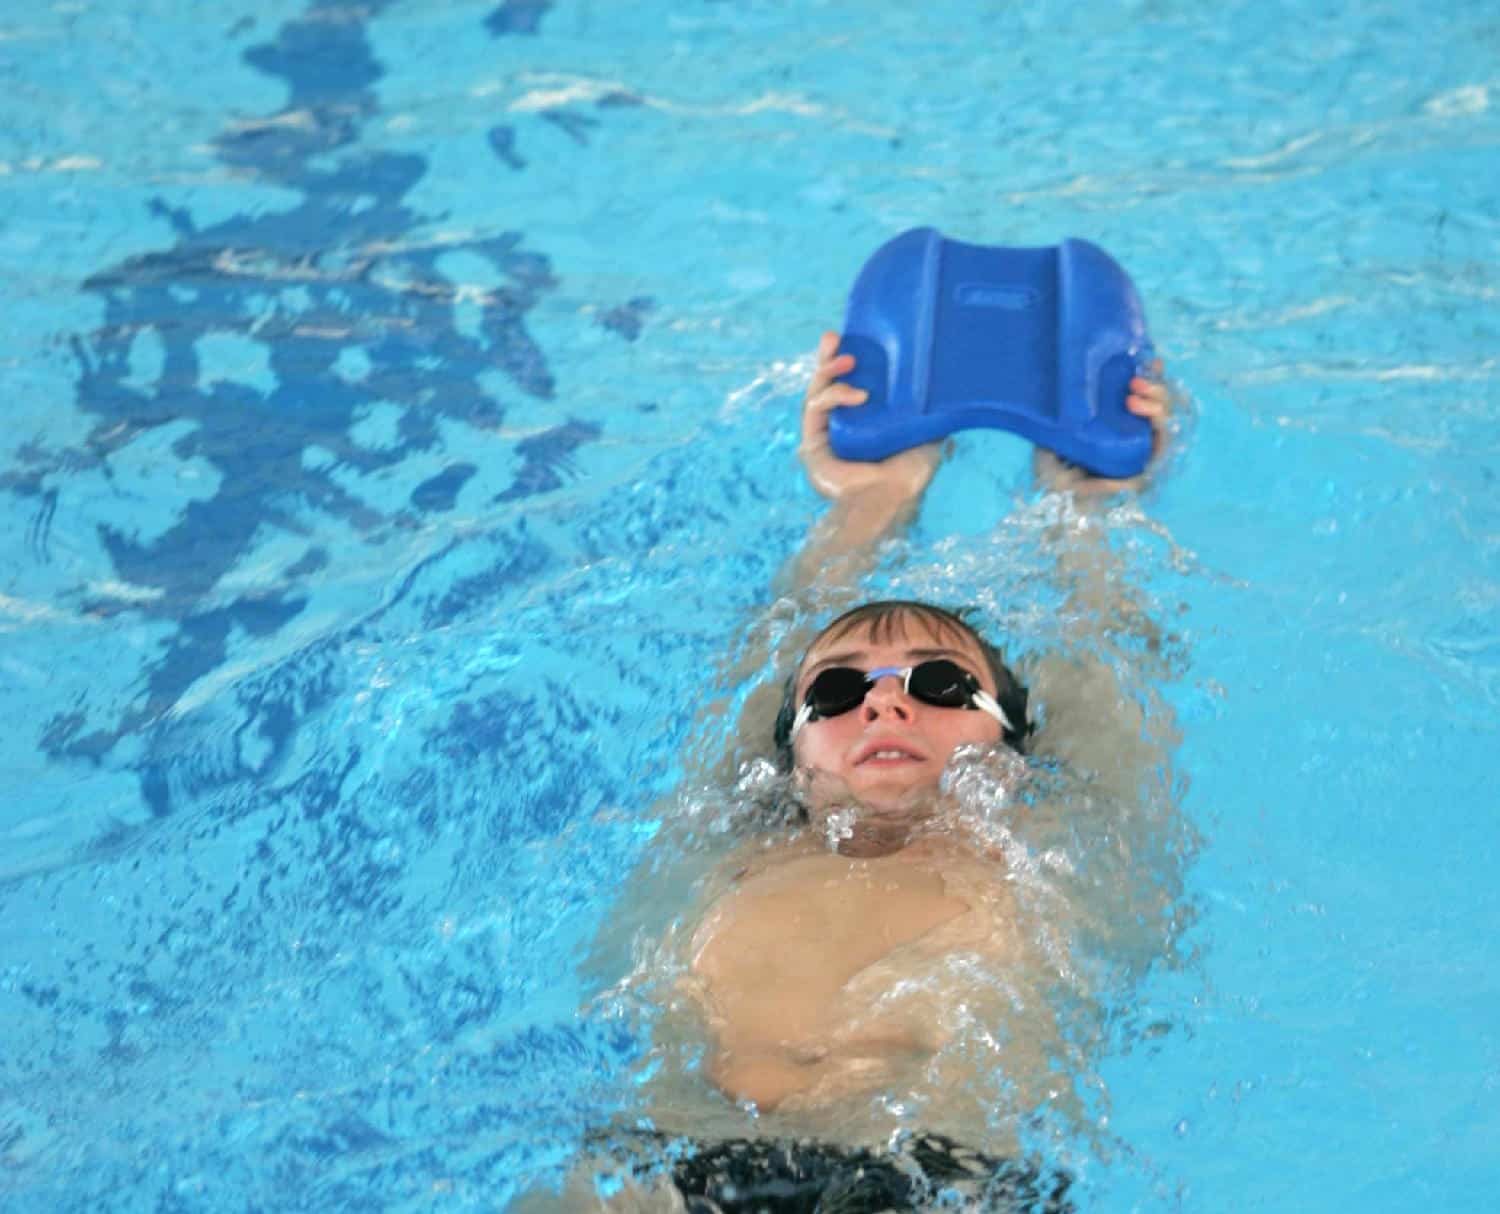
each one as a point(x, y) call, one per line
point(982, 699)
point(804, 714)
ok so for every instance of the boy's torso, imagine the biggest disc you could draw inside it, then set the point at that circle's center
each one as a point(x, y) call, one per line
point(821, 973)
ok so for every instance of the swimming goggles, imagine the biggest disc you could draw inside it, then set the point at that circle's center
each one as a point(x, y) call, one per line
point(938, 682)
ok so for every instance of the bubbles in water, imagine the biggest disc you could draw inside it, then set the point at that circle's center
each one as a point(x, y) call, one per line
point(984, 781)
point(839, 827)
point(988, 788)
point(759, 778)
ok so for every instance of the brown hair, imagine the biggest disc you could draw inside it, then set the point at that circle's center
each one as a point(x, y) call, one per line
point(884, 620)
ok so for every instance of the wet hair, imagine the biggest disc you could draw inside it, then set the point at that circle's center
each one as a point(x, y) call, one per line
point(885, 620)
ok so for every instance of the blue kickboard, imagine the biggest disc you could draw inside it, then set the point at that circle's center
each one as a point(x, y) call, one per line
point(1041, 342)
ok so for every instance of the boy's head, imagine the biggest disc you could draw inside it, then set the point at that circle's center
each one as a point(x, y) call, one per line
point(881, 740)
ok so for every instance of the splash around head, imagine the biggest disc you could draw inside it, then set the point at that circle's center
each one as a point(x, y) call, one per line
point(882, 699)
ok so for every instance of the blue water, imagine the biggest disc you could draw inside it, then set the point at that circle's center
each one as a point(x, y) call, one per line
point(400, 434)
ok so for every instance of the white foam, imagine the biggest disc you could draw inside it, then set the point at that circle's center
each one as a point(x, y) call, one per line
point(1461, 102)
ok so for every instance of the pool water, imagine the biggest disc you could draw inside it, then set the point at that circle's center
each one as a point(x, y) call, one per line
point(401, 433)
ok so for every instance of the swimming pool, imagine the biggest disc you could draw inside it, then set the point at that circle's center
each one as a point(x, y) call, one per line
point(400, 423)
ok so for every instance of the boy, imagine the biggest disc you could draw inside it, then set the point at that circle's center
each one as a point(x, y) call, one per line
point(835, 963)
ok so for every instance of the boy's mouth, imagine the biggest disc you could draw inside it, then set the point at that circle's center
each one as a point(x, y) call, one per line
point(886, 751)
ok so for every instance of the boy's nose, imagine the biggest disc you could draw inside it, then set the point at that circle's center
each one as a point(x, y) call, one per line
point(887, 696)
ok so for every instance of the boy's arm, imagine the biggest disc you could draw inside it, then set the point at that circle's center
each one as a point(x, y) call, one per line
point(1105, 716)
point(870, 500)
point(1096, 715)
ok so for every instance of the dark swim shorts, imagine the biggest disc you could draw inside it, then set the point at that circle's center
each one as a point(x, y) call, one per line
point(775, 1176)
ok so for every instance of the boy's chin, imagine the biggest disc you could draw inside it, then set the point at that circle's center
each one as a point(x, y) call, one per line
point(883, 801)
point(890, 799)
point(898, 796)
point(883, 806)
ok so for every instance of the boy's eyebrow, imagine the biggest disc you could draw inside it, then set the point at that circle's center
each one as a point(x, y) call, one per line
point(833, 659)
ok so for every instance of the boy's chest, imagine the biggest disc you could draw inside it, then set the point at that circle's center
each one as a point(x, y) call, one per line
point(798, 932)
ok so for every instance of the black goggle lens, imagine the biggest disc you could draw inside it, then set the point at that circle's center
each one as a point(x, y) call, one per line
point(939, 682)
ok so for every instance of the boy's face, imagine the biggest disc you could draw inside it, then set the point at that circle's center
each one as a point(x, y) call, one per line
point(889, 752)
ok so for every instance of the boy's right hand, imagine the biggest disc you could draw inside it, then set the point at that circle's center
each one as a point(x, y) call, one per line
point(898, 479)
